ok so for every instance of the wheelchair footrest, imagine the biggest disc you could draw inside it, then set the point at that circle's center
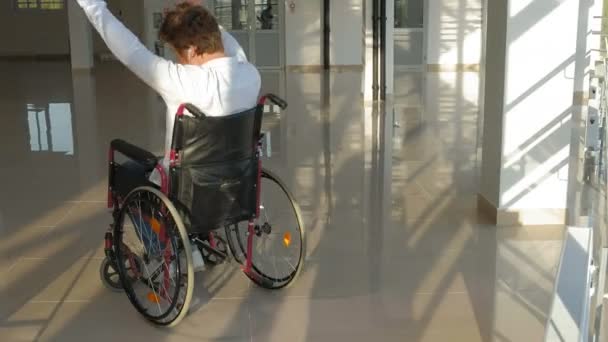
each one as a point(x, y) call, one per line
point(211, 255)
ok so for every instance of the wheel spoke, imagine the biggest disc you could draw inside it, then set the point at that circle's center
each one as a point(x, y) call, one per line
point(160, 230)
point(268, 254)
point(140, 229)
point(290, 264)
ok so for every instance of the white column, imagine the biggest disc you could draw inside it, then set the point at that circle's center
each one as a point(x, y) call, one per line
point(90, 169)
point(528, 110)
point(81, 38)
point(368, 51)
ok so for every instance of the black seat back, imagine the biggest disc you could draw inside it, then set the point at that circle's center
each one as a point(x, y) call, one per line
point(216, 173)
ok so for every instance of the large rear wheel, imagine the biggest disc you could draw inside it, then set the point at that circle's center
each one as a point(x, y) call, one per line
point(152, 236)
point(276, 240)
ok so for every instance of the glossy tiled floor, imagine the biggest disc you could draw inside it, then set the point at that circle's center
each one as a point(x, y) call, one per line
point(396, 251)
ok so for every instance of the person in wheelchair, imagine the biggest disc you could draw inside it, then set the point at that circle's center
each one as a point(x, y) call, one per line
point(212, 177)
point(212, 72)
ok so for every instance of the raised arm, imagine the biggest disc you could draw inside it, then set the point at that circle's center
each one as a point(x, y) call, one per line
point(160, 74)
point(231, 47)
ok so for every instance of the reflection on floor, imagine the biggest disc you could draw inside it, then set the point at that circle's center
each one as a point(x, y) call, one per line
point(396, 250)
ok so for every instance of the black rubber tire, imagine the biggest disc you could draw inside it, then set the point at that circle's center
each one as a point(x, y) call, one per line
point(109, 276)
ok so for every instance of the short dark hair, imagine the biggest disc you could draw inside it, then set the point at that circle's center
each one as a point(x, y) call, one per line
point(189, 25)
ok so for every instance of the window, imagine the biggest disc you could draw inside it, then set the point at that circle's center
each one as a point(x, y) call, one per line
point(409, 13)
point(231, 14)
point(39, 4)
point(267, 14)
point(51, 128)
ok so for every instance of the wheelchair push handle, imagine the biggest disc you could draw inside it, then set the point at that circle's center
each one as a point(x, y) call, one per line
point(192, 109)
point(274, 99)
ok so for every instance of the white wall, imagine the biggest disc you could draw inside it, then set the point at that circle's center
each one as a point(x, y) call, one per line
point(528, 107)
point(32, 32)
point(346, 36)
point(538, 97)
point(453, 32)
point(26, 33)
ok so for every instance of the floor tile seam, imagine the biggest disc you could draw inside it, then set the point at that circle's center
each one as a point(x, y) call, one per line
point(424, 253)
point(26, 258)
point(67, 301)
point(87, 202)
point(250, 319)
point(13, 264)
point(250, 299)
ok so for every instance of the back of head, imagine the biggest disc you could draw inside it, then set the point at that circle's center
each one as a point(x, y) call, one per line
point(188, 25)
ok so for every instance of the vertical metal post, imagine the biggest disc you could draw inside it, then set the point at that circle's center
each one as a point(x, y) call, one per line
point(382, 54)
point(376, 32)
point(326, 33)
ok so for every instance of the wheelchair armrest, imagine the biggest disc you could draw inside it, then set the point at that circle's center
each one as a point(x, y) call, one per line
point(147, 159)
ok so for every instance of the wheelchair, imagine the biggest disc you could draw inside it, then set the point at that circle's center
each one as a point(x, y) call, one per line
point(216, 197)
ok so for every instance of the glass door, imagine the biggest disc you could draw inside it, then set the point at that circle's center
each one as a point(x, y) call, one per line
point(267, 33)
point(409, 34)
point(257, 25)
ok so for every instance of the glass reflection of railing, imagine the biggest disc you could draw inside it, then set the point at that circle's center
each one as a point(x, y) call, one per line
point(597, 198)
point(578, 310)
point(602, 113)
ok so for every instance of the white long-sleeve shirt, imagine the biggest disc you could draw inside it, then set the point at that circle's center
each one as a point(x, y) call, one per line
point(219, 87)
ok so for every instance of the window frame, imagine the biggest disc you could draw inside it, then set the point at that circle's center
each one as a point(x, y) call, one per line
point(39, 7)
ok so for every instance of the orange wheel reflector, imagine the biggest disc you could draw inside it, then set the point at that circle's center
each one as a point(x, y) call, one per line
point(153, 297)
point(287, 239)
point(155, 225)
